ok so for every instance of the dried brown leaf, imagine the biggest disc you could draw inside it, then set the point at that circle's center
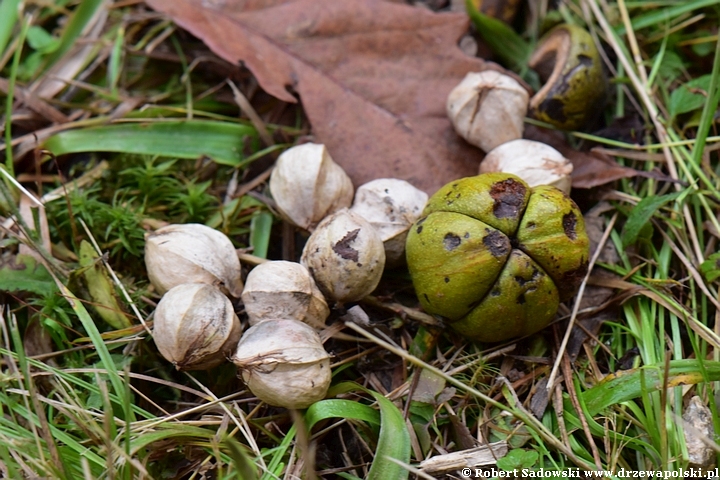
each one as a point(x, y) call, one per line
point(373, 76)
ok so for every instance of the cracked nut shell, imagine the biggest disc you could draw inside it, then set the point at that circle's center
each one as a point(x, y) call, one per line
point(283, 363)
point(345, 256)
point(496, 257)
point(195, 327)
point(285, 291)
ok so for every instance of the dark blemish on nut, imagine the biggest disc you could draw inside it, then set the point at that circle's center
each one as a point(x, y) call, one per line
point(521, 298)
point(467, 235)
point(427, 299)
point(451, 241)
point(447, 279)
point(343, 247)
point(569, 222)
point(509, 196)
point(531, 225)
point(419, 229)
point(497, 243)
point(521, 281)
point(555, 109)
point(495, 292)
point(585, 60)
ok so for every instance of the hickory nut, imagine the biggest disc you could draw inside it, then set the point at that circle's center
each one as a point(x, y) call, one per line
point(192, 253)
point(286, 291)
point(391, 206)
point(488, 109)
point(534, 162)
point(195, 326)
point(345, 256)
point(496, 257)
point(308, 185)
point(284, 363)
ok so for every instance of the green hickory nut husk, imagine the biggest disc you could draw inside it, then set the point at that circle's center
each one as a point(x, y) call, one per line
point(496, 257)
point(575, 86)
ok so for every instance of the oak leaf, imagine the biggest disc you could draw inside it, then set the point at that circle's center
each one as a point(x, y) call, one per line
point(373, 76)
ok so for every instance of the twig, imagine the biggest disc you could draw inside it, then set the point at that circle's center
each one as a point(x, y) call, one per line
point(578, 299)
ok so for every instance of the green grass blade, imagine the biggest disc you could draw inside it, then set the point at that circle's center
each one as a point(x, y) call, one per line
point(220, 141)
point(260, 227)
point(642, 213)
point(79, 20)
point(626, 385)
point(706, 119)
point(656, 16)
point(338, 408)
point(504, 41)
point(243, 463)
point(9, 10)
point(394, 442)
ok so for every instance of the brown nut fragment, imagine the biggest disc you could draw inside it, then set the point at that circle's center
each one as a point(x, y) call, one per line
point(391, 206)
point(286, 291)
point(569, 63)
point(308, 185)
point(534, 162)
point(195, 327)
point(345, 256)
point(488, 109)
point(192, 253)
point(284, 363)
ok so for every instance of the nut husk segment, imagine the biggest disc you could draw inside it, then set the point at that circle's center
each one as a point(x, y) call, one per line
point(284, 363)
point(308, 185)
point(285, 291)
point(195, 327)
point(192, 253)
point(495, 257)
point(575, 85)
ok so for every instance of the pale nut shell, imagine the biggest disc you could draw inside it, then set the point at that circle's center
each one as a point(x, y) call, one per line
point(195, 327)
point(534, 162)
point(308, 185)
point(391, 206)
point(488, 109)
point(284, 363)
point(192, 253)
point(345, 256)
point(285, 291)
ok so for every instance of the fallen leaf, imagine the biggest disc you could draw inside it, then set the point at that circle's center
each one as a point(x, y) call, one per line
point(373, 76)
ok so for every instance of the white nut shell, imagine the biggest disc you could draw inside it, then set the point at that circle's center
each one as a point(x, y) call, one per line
point(345, 256)
point(308, 185)
point(195, 326)
point(488, 109)
point(534, 162)
point(192, 253)
point(284, 363)
point(391, 206)
point(281, 290)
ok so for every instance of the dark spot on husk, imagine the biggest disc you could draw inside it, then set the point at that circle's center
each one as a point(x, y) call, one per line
point(521, 298)
point(447, 279)
point(509, 196)
point(419, 229)
point(343, 247)
point(554, 108)
point(569, 222)
point(585, 60)
point(495, 292)
point(427, 299)
point(467, 235)
point(531, 225)
point(497, 243)
point(451, 241)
